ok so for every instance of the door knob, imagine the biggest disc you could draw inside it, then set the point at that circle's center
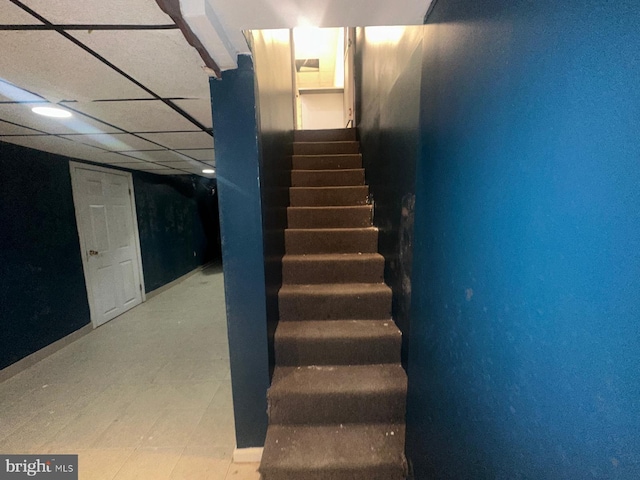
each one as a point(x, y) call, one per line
point(93, 253)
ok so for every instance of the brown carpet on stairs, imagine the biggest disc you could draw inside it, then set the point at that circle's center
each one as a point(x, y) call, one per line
point(337, 400)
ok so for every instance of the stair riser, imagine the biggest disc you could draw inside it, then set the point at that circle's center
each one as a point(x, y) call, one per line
point(328, 196)
point(345, 217)
point(337, 351)
point(346, 241)
point(309, 271)
point(326, 162)
point(325, 148)
point(332, 135)
point(378, 407)
point(296, 306)
point(327, 178)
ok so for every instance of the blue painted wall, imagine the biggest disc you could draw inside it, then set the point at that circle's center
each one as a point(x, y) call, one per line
point(524, 355)
point(235, 131)
point(42, 290)
point(178, 225)
point(388, 107)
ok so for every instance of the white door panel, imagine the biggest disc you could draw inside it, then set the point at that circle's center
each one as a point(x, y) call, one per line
point(109, 239)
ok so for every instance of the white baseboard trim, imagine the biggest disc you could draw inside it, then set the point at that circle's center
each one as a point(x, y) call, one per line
point(35, 357)
point(247, 455)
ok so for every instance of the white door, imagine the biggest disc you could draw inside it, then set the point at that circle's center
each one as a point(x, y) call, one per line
point(108, 232)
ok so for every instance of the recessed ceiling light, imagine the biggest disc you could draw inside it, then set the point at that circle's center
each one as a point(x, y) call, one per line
point(51, 112)
point(208, 170)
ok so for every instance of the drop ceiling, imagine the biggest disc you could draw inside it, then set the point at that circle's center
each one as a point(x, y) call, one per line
point(137, 90)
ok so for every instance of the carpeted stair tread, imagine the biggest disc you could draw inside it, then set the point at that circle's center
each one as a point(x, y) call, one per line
point(320, 394)
point(326, 162)
point(337, 342)
point(359, 301)
point(328, 135)
point(325, 148)
point(338, 379)
point(358, 216)
point(333, 268)
point(328, 196)
point(331, 240)
point(327, 178)
point(334, 452)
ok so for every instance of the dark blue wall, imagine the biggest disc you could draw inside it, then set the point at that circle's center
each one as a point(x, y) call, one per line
point(42, 290)
point(178, 225)
point(238, 171)
point(388, 107)
point(524, 356)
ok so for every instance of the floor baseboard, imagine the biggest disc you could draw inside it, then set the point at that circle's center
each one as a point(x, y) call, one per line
point(247, 455)
point(35, 357)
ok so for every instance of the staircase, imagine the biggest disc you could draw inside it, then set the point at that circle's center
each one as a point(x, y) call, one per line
point(337, 399)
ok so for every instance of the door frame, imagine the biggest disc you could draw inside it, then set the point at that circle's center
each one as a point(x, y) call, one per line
point(83, 249)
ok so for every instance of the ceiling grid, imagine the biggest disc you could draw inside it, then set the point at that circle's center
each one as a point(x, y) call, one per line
point(136, 89)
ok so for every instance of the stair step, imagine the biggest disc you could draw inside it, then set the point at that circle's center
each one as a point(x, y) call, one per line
point(328, 196)
point(327, 178)
point(344, 301)
point(333, 268)
point(326, 162)
point(328, 135)
point(337, 342)
point(330, 217)
point(334, 452)
point(325, 148)
point(331, 240)
point(337, 394)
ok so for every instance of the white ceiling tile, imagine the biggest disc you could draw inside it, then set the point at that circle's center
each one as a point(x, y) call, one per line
point(181, 140)
point(21, 114)
point(162, 60)
point(145, 166)
point(122, 161)
point(11, 14)
point(10, 129)
point(115, 142)
point(52, 144)
point(185, 165)
point(11, 93)
point(169, 172)
point(137, 115)
point(202, 154)
point(110, 158)
point(157, 156)
point(47, 64)
point(100, 12)
point(200, 109)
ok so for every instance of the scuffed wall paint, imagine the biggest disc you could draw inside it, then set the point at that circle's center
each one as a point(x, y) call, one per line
point(235, 131)
point(524, 353)
point(388, 66)
point(42, 290)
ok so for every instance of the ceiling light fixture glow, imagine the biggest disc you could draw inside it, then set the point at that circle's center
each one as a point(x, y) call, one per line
point(208, 170)
point(51, 112)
